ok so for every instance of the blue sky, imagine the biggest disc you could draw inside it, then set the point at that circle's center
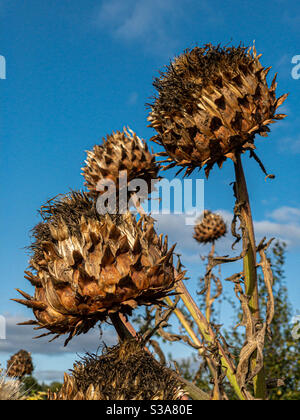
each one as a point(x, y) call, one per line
point(77, 70)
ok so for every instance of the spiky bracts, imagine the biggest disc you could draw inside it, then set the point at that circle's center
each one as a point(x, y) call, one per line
point(86, 266)
point(211, 103)
point(210, 228)
point(124, 372)
point(120, 151)
point(19, 365)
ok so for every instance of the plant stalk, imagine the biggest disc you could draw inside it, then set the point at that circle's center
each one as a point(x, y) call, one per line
point(209, 337)
point(208, 292)
point(123, 330)
point(185, 325)
point(194, 392)
point(184, 322)
point(250, 272)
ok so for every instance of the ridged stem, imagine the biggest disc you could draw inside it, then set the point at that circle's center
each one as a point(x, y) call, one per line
point(208, 292)
point(209, 336)
point(250, 272)
point(193, 391)
point(184, 322)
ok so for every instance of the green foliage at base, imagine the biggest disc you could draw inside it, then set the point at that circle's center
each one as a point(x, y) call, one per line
point(35, 391)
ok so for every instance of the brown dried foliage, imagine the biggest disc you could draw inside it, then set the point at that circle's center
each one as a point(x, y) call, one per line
point(86, 266)
point(211, 102)
point(124, 372)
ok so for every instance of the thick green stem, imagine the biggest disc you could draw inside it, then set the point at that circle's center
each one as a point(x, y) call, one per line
point(208, 300)
point(194, 392)
point(250, 272)
point(250, 259)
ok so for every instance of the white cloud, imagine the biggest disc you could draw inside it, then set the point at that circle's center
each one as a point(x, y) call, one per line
point(283, 223)
point(283, 67)
point(289, 233)
point(286, 214)
point(178, 232)
point(154, 24)
point(145, 21)
point(286, 226)
point(133, 18)
point(19, 337)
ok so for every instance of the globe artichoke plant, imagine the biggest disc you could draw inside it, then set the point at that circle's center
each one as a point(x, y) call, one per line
point(211, 102)
point(86, 267)
point(19, 365)
point(124, 372)
point(121, 152)
point(209, 228)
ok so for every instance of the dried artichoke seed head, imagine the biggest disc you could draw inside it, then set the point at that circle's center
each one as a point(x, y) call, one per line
point(124, 372)
point(85, 266)
point(210, 228)
point(120, 151)
point(210, 104)
point(19, 365)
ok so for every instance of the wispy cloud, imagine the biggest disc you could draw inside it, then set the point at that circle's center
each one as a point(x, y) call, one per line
point(284, 67)
point(19, 337)
point(283, 223)
point(147, 22)
point(290, 144)
point(132, 98)
point(287, 232)
point(178, 232)
point(286, 214)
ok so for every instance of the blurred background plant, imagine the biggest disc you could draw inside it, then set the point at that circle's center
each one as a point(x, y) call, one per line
point(25, 386)
point(34, 390)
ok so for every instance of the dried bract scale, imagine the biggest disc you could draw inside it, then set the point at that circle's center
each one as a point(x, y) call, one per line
point(86, 266)
point(19, 365)
point(120, 151)
point(124, 372)
point(211, 102)
point(210, 228)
